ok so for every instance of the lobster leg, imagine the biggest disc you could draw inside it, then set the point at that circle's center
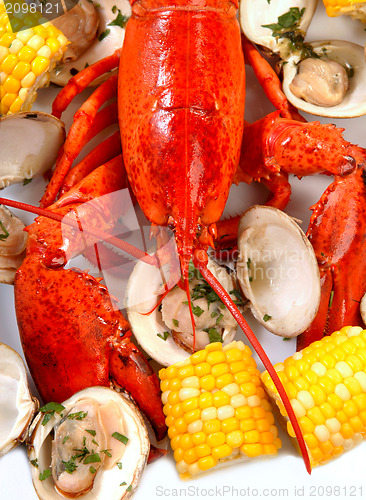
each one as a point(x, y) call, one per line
point(74, 141)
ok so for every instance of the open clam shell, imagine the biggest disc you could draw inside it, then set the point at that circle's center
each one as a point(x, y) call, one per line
point(149, 329)
point(17, 406)
point(13, 241)
point(29, 145)
point(109, 39)
point(113, 483)
point(277, 271)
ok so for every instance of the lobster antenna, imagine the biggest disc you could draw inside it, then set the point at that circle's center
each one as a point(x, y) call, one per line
point(200, 262)
point(113, 240)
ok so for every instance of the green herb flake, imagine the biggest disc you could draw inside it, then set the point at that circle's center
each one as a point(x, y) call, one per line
point(5, 232)
point(93, 441)
point(91, 431)
point(239, 300)
point(65, 439)
point(331, 298)
point(175, 322)
point(120, 437)
point(114, 9)
point(27, 181)
point(197, 311)
point(119, 465)
point(45, 474)
point(129, 488)
point(79, 415)
point(92, 470)
point(219, 319)
point(286, 338)
point(163, 335)
point(266, 317)
point(248, 263)
point(104, 34)
point(213, 335)
point(50, 409)
point(70, 466)
point(120, 20)
point(92, 458)
point(214, 314)
point(123, 484)
point(34, 463)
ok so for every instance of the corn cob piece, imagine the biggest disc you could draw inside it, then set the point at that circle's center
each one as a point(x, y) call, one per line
point(216, 409)
point(326, 385)
point(353, 8)
point(26, 58)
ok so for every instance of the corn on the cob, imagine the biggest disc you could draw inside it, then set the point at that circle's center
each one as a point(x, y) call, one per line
point(353, 8)
point(216, 409)
point(326, 385)
point(26, 57)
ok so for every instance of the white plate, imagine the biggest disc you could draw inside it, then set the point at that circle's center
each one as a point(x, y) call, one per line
point(283, 476)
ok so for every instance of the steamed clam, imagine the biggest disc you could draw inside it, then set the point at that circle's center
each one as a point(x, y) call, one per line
point(96, 30)
point(94, 445)
point(165, 332)
point(324, 78)
point(13, 240)
point(39, 137)
point(17, 407)
point(277, 271)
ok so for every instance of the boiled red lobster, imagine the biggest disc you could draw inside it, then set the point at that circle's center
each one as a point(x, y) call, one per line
point(180, 111)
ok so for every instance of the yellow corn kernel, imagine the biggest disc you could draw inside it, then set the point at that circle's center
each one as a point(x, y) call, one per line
point(185, 371)
point(26, 54)
point(216, 439)
point(224, 381)
point(252, 450)
point(233, 354)
point(346, 431)
point(198, 438)
point(311, 441)
point(174, 443)
point(205, 400)
point(229, 424)
point(235, 438)
point(222, 451)
point(202, 450)
point(178, 454)
point(207, 382)
point(231, 389)
point(350, 408)
point(177, 410)
point(243, 412)
point(11, 85)
point(189, 404)
point(209, 413)
point(242, 377)
point(181, 424)
point(17, 104)
point(186, 441)
point(175, 384)
point(202, 369)
point(207, 463)
point(195, 427)
point(225, 412)
point(306, 399)
point(192, 415)
point(238, 400)
point(318, 394)
point(219, 370)
point(9, 63)
point(356, 424)
point(174, 397)
point(190, 456)
point(220, 398)
point(307, 426)
point(360, 401)
point(211, 426)
point(335, 401)
point(187, 393)
point(216, 357)
point(322, 433)
point(8, 99)
point(237, 366)
point(316, 416)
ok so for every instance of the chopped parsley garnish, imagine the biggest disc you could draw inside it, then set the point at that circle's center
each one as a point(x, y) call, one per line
point(50, 409)
point(92, 470)
point(129, 488)
point(79, 415)
point(266, 317)
point(219, 319)
point(106, 452)
point(5, 234)
point(248, 263)
point(163, 335)
point(286, 338)
point(123, 439)
point(27, 181)
point(175, 322)
point(214, 314)
point(70, 466)
point(123, 484)
point(93, 441)
point(91, 431)
point(239, 300)
point(65, 439)
point(287, 27)
point(213, 335)
point(104, 34)
point(197, 311)
point(331, 298)
point(94, 457)
point(119, 465)
point(34, 463)
point(45, 474)
point(82, 453)
point(120, 20)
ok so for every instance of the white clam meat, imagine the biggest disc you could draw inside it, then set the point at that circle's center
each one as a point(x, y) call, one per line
point(17, 407)
point(166, 333)
point(95, 446)
point(29, 144)
point(13, 240)
point(325, 85)
point(108, 37)
point(277, 271)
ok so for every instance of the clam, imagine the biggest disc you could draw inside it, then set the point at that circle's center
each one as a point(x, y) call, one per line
point(324, 78)
point(277, 271)
point(17, 407)
point(39, 137)
point(165, 332)
point(94, 445)
point(13, 240)
point(95, 30)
